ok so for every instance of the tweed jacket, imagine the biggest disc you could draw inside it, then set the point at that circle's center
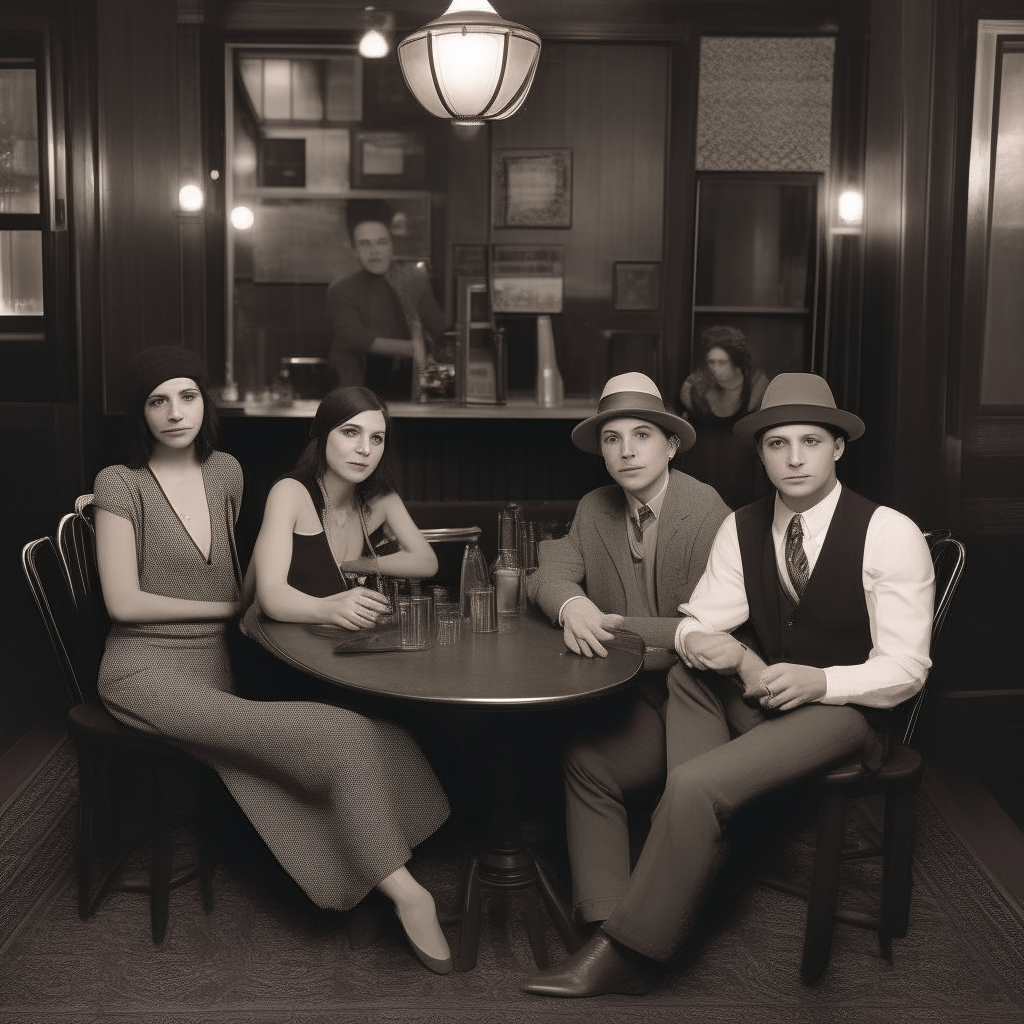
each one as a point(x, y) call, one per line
point(594, 560)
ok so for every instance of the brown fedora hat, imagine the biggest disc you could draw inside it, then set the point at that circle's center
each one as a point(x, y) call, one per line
point(798, 398)
point(631, 394)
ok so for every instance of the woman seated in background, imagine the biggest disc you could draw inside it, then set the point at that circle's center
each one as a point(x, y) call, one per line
point(725, 388)
point(340, 799)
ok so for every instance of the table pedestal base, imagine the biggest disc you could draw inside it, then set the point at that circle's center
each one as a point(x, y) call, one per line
point(507, 870)
point(508, 863)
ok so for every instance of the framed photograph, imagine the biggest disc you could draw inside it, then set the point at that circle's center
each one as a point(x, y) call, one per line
point(389, 159)
point(636, 286)
point(531, 188)
point(527, 278)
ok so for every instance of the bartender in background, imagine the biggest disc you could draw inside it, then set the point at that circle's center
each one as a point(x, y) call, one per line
point(380, 314)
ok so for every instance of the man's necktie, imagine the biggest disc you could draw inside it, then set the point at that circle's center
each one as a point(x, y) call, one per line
point(796, 558)
point(643, 516)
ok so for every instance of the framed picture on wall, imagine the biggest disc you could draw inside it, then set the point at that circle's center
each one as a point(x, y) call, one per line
point(389, 159)
point(531, 188)
point(636, 286)
point(527, 278)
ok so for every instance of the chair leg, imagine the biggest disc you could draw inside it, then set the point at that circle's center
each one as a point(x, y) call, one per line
point(87, 771)
point(897, 862)
point(208, 844)
point(160, 879)
point(469, 942)
point(821, 904)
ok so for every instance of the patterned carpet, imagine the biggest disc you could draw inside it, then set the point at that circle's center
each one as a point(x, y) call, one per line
point(267, 955)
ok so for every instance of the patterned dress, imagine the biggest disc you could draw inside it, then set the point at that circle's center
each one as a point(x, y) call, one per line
point(340, 798)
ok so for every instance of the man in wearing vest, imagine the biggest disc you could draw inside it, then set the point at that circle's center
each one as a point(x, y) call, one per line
point(840, 594)
point(634, 553)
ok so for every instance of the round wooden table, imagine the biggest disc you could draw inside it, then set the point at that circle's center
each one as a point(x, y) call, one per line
point(528, 669)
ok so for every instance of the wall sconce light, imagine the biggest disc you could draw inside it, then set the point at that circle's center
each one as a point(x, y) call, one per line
point(190, 198)
point(378, 27)
point(242, 218)
point(850, 209)
point(470, 65)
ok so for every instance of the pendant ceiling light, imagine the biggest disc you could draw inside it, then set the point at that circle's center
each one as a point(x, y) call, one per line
point(470, 65)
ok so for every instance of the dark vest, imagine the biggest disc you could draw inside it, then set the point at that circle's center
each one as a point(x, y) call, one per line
point(830, 626)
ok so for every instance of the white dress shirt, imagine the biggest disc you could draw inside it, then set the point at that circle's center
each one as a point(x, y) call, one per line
point(639, 550)
point(899, 590)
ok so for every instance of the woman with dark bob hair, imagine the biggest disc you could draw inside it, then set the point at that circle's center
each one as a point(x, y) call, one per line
point(724, 388)
point(327, 525)
point(339, 798)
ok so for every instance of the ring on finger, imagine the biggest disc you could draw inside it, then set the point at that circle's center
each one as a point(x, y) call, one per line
point(767, 691)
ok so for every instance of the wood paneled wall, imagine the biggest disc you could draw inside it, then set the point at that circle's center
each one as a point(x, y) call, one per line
point(608, 104)
point(137, 97)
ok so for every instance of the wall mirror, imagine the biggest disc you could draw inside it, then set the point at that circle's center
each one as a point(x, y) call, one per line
point(308, 132)
point(756, 264)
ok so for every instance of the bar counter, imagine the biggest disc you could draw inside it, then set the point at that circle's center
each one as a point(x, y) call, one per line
point(517, 408)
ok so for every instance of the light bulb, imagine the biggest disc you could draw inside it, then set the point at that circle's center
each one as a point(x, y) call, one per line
point(242, 218)
point(373, 45)
point(851, 207)
point(190, 198)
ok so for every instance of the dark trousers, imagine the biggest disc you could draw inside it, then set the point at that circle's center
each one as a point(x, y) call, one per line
point(719, 754)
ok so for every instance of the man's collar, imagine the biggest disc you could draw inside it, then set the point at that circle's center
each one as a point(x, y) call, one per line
point(632, 504)
point(816, 518)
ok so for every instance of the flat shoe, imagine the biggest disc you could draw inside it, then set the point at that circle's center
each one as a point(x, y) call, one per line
point(432, 963)
point(599, 967)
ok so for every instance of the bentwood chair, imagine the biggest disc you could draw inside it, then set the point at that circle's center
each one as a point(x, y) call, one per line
point(67, 595)
point(897, 780)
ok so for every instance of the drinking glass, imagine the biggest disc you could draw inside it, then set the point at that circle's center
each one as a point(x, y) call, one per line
point(419, 627)
point(449, 625)
point(482, 611)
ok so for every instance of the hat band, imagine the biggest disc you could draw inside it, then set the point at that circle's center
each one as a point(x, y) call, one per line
point(630, 400)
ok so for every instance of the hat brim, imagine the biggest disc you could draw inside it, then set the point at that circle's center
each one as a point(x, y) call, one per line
point(586, 435)
point(750, 426)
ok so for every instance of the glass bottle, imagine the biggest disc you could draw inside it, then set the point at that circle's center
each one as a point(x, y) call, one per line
point(474, 574)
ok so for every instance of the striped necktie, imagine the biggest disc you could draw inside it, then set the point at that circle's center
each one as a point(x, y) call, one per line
point(643, 516)
point(796, 557)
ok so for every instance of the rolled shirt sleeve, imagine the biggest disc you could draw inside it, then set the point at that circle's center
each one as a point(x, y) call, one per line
point(718, 603)
point(899, 588)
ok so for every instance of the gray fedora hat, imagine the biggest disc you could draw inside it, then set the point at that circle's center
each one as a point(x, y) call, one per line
point(798, 398)
point(631, 394)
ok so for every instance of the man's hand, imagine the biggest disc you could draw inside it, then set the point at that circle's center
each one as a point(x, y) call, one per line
point(584, 626)
point(717, 652)
point(785, 687)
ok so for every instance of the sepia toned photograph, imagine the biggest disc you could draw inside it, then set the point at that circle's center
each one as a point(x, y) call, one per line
point(511, 517)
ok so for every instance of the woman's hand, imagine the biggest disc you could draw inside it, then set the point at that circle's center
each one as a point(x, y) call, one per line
point(358, 608)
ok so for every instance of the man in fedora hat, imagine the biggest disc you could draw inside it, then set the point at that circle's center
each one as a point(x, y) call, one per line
point(634, 552)
point(839, 592)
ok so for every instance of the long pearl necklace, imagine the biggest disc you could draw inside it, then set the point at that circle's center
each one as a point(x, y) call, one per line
point(328, 512)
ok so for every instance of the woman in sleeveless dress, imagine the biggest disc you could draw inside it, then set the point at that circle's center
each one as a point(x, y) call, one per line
point(721, 391)
point(340, 799)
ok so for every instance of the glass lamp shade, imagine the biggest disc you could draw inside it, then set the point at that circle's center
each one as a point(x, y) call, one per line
point(470, 64)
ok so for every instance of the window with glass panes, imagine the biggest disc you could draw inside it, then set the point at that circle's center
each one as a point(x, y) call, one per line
point(22, 187)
